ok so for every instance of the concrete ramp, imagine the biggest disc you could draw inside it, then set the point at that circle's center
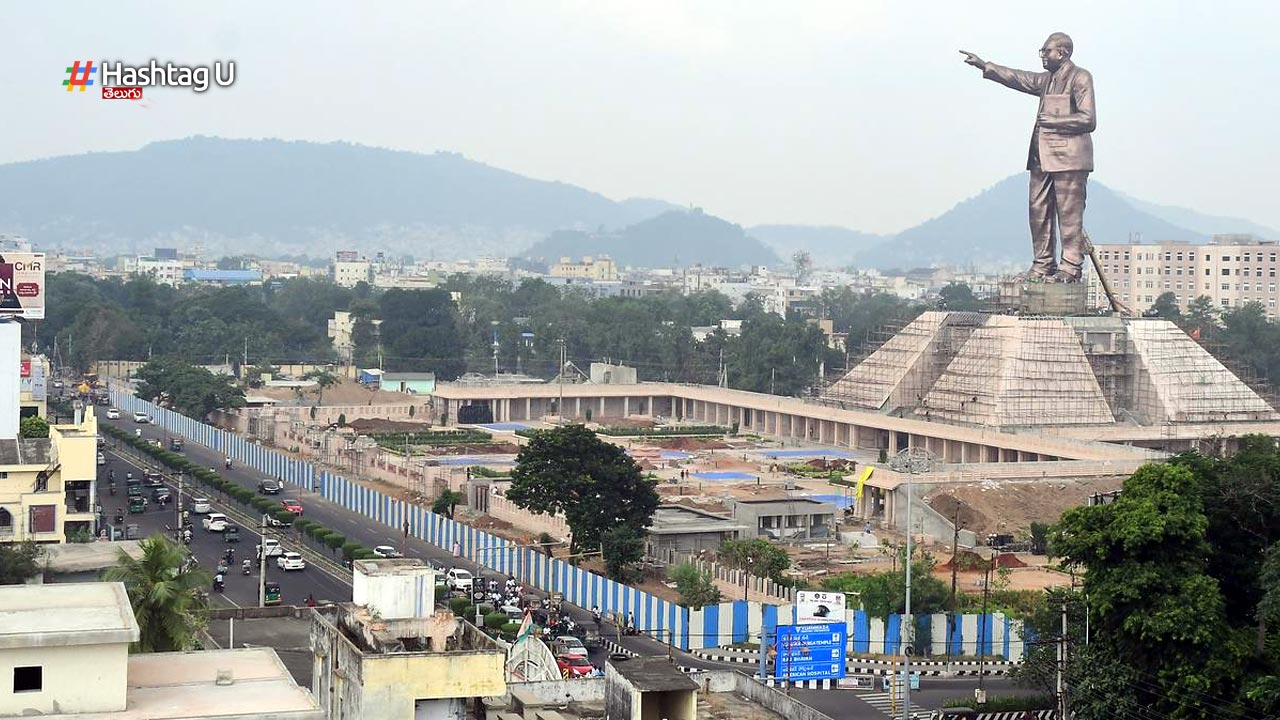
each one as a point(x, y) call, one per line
point(897, 372)
point(1019, 372)
point(1177, 381)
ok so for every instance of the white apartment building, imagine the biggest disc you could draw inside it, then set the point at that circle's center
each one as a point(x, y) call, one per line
point(162, 271)
point(349, 269)
point(1231, 271)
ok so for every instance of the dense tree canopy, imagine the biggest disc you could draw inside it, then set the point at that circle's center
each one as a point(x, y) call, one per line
point(187, 388)
point(594, 484)
point(1181, 581)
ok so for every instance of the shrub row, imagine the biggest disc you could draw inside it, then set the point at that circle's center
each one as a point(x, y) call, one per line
point(207, 477)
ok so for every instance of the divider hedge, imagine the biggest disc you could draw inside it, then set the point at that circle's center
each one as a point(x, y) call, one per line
point(208, 477)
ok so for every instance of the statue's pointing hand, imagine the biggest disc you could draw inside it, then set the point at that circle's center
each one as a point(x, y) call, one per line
point(974, 60)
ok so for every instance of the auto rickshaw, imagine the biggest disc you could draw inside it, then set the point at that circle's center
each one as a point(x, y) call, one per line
point(271, 594)
point(137, 505)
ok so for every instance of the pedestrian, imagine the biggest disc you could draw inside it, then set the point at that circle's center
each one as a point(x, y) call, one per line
point(311, 601)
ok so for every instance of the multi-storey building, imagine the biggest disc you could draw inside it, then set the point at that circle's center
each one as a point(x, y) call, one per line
point(349, 269)
point(47, 484)
point(599, 268)
point(1230, 271)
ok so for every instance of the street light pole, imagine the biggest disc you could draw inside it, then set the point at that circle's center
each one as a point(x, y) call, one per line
point(262, 564)
point(911, 461)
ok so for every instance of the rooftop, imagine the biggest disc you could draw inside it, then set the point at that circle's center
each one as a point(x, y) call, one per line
point(654, 674)
point(408, 376)
point(93, 613)
point(676, 519)
point(170, 686)
point(29, 451)
point(390, 566)
point(780, 499)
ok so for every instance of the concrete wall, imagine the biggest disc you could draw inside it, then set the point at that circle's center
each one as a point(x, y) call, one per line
point(501, 508)
point(561, 691)
point(779, 702)
point(76, 679)
point(10, 378)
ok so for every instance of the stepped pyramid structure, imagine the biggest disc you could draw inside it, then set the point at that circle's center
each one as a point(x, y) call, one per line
point(1021, 372)
point(1008, 371)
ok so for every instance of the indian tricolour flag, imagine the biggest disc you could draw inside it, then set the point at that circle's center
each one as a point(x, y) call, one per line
point(526, 626)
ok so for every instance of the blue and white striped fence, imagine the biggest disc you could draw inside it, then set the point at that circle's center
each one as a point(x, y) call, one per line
point(710, 626)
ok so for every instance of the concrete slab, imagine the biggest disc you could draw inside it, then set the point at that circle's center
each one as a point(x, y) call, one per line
point(290, 637)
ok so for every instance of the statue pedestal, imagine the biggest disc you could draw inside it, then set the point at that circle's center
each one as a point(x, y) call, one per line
point(1045, 298)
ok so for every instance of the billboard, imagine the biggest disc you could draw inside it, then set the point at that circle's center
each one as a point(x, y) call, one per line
point(810, 652)
point(819, 607)
point(22, 285)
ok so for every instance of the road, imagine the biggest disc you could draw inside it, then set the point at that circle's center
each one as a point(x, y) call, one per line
point(836, 703)
point(207, 547)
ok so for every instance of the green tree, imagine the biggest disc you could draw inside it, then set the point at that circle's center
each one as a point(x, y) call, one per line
point(594, 484)
point(756, 556)
point(623, 547)
point(190, 389)
point(697, 588)
point(323, 380)
point(1202, 315)
point(958, 296)
point(445, 504)
point(1166, 306)
point(33, 427)
point(885, 593)
point(19, 562)
point(167, 596)
point(253, 376)
point(1157, 611)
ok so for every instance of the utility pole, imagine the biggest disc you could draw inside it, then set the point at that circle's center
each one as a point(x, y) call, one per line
point(560, 377)
point(262, 564)
point(980, 694)
point(773, 375)
point(244, 359)
point(910, 461)
point(1062, 662)
point(955, 567)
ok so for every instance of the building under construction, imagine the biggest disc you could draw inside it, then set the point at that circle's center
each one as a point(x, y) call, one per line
point(1012, 371)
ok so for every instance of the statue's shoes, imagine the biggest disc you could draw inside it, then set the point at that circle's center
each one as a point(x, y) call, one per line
point(1062, 276)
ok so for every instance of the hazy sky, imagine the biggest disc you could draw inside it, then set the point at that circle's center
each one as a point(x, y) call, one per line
point(853, 113)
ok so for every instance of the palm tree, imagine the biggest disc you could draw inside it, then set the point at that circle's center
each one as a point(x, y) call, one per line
point(167, 595)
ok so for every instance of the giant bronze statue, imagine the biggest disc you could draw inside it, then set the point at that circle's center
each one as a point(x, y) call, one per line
point(1061, 154)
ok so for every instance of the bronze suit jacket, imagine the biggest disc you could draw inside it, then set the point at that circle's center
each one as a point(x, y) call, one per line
point(1063, 144)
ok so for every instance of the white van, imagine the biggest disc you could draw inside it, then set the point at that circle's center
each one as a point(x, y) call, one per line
point(215, 522)
point(273, 547)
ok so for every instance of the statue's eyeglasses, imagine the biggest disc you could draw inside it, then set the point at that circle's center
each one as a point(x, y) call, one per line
point(1046, 51)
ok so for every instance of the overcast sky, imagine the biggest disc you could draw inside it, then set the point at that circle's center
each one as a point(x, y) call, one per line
point(851, 113)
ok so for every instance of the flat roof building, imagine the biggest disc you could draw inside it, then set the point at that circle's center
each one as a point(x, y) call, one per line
point(64, 650)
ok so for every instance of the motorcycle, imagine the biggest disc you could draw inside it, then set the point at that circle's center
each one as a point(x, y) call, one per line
point(218, 584)
point(222, 567)
point(186, 537)
point(112, 488)
point(246, 566)
point(228, 463)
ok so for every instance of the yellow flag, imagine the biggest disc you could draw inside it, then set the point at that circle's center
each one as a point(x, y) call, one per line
point(862, 481)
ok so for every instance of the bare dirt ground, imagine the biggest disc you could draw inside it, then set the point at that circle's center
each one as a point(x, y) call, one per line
point(485, 449)
point(1011, 507)
point(687, 444)
point(374, 425)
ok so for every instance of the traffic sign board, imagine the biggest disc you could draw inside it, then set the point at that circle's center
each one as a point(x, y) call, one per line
point(810, 652)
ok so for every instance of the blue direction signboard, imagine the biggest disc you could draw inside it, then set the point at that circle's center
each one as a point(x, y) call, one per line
point(810, 652)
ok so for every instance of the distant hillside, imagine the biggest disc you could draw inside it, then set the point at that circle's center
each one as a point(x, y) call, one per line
point(673, 239)
point(1200, 222)
point(828, 245)
point(991, 229)
point(278, 197)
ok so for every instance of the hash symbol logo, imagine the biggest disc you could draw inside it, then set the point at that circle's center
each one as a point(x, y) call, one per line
point(80, 75)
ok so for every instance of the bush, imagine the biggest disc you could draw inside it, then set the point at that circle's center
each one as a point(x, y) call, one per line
point(335, 540)
point(364, 553)
point(301, 524)
point(282, 515)
point(1004, 703)
point(261, 504)
point(495, 620)
point(349, 549)
point(510, 629)
point(486, 608)
point(456, 604)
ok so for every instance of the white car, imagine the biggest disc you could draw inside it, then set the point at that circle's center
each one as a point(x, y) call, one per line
point(568, 645)
point(215, 522)
point(201, 506)
point(386, 551)
point(459, 579)
point(291, 561)
point(273, 547)
point(102, 459)
point(141, 417)
point(113, 414)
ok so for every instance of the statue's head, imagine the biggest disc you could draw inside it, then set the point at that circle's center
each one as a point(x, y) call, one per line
point(1055, 51)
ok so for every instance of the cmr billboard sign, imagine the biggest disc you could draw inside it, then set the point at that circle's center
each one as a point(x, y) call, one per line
point(22, 285)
